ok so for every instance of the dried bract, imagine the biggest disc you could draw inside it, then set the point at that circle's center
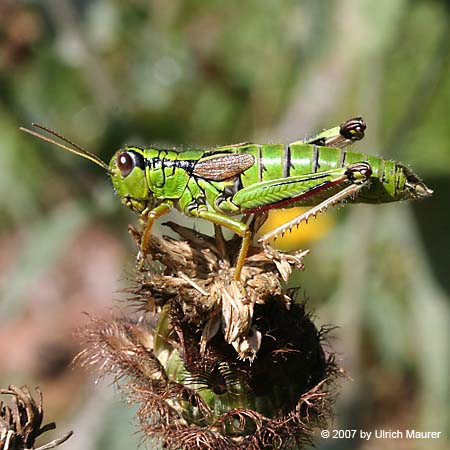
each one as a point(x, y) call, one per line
point(21, 421)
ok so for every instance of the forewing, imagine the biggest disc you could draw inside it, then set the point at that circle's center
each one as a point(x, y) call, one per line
point(223, 166)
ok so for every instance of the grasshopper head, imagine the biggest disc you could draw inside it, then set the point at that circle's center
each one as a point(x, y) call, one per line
point(127, 171)
point(126, 168)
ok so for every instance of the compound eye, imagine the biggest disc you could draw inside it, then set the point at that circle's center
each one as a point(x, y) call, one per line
point(125, 163)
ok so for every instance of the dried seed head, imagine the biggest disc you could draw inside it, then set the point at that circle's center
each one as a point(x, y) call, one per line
point(213, 363)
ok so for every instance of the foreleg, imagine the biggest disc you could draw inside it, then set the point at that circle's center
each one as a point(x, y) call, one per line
point(149, 219)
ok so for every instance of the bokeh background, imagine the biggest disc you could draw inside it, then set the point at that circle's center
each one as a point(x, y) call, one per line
point(206, 73)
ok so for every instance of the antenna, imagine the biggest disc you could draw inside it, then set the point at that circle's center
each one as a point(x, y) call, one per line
point(74, 149)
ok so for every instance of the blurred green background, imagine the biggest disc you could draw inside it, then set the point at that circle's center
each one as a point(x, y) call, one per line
point(206, 73)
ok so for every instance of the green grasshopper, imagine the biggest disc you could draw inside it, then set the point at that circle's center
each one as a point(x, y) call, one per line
point(221, 183)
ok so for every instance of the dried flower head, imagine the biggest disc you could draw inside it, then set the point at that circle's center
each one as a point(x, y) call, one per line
point(212, 363)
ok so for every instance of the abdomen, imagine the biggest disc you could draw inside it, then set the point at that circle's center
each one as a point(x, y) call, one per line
point(281, 161)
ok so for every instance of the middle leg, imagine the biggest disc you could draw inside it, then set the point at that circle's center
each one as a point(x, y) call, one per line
point(240, 228)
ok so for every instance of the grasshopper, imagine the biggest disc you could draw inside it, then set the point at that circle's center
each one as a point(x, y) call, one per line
point(245, 179)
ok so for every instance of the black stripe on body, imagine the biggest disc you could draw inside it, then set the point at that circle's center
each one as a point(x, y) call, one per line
point(260, 164)
point(382, 173)
point(315, 159)
point(138, 159)
point(398, 179)
point(342, 158)
point(287, 161)
point(185, 164)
